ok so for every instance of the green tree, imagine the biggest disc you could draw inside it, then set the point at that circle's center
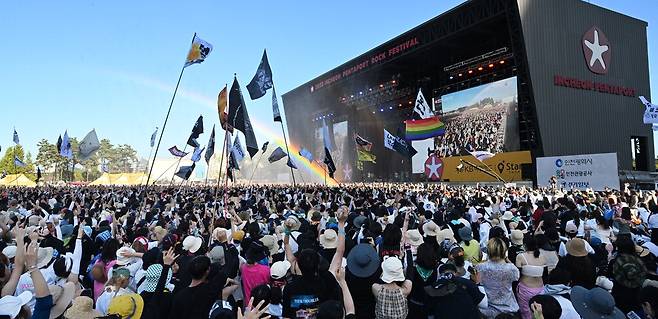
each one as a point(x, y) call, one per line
point(126, 158)
point(7, 161)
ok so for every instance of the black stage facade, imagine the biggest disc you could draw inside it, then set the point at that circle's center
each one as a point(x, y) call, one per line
point(477, 43)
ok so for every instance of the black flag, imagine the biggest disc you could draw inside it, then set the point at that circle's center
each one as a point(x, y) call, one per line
point(275, 107)
point(264, 148)
point(38, 174)
point(59, 144)
point(185, 172)
point(196, 131)
point(210, 149)
point(262, 80)
point(331, 167)
point(239, 118)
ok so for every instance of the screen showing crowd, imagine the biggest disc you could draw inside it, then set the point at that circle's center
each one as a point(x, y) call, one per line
point(482, 118)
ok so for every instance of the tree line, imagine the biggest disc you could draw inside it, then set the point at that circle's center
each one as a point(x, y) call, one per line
point(120, 158)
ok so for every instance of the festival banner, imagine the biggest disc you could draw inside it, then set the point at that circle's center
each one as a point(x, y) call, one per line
point(506, 165)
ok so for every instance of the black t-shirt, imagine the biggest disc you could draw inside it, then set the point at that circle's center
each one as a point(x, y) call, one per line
point(361, 291)
point(195, 302)
point(461, 303)
point(303, 296)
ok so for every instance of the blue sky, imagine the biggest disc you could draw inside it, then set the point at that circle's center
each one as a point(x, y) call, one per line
point(112, 65)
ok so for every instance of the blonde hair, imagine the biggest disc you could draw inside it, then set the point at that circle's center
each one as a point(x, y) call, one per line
point(496, 249)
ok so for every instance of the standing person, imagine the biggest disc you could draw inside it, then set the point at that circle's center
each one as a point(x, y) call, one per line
point(578, 263)
point(256, 271)
point(628, 272)
point(421, 273)
point(363, 270)
point(452, 296)
point(196, 300)
point(496, 276)
point(303, 296)
point(532, 267)
point(392, 295)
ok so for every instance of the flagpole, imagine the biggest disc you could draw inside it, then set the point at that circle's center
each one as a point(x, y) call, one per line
point(148, 160)
point(221, 165)
point(285, 141)
point(164, 125)
point(255, 167)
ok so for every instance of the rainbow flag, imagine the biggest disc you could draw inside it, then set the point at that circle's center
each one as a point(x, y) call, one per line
point(424, 128)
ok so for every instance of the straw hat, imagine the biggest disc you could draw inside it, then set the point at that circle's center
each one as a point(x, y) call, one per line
point(159, 232)
point(430, 228)
point(444, 234)
point(271, 243)
point(576, 247)
point(192, 244)
point(219, 234)
point(329, 239)
point(44, 255)
point(61, 295)
point(413, 237)
point(293, 223)
point(82, 308)
point(516, 236)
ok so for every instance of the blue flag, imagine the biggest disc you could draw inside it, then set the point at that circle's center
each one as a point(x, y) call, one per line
point(66, 149)
point(291, 163)
point(196, 156)
point(16, 140)
point(306, 154)
point(18, 162)
point(153, 136)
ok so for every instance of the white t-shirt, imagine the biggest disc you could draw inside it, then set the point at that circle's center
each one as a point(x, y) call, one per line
point(568, 311)
point(103, 301)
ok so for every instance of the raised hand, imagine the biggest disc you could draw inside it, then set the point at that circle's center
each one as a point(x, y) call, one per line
point(253, 313)
point(169, 257)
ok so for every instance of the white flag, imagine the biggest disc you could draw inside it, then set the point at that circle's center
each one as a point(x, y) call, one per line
point(422, 108)
point(326, 138)
point(650, 113)
point(237, 149)
point(88, 145)
point(389, 140)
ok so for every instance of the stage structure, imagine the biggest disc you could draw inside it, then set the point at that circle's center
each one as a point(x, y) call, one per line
point(553, 78)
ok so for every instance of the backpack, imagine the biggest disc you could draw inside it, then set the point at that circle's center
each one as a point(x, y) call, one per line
point(629, 271)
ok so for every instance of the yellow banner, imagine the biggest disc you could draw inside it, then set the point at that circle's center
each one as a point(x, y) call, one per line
point(506, 165)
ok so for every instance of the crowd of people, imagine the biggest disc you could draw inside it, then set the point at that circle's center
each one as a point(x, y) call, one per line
point(354, 251)
point(481, 129)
